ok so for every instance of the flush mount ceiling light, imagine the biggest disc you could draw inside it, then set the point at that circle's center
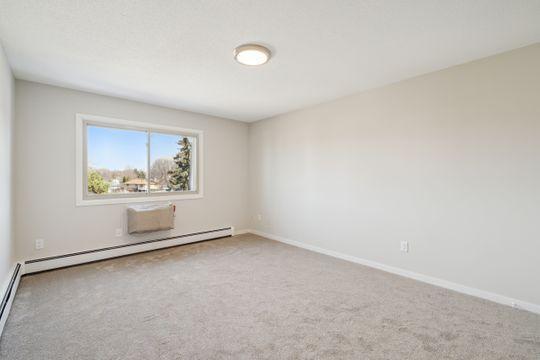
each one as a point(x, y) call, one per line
point(251, 54)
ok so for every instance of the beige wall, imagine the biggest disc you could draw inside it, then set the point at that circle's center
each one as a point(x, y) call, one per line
point(45, 171)
point(6, 131)
point(449, 161)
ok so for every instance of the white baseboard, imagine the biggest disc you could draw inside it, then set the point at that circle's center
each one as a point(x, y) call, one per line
point(241, 231)
point(8, 293)
point(55, 262)
point(501, 299)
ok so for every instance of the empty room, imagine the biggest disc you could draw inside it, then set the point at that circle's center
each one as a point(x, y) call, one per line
point(286, 179)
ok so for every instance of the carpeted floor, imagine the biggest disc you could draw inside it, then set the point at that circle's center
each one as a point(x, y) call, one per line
point(251, 298)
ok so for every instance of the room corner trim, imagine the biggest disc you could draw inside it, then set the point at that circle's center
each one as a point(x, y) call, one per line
point(9, 294)
point(60, 261)
point(501, 299)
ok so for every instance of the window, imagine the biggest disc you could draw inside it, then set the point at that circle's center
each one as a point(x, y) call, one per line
point(120, 161)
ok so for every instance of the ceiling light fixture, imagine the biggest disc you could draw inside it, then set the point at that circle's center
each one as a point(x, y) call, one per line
point(251, 54)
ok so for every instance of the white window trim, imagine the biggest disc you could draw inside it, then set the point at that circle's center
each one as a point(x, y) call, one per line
point(80, 163)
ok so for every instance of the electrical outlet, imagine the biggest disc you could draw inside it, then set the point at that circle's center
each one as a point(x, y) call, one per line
point(119, 232)
point(404, 246)
point(259, 217)
point(40, 244)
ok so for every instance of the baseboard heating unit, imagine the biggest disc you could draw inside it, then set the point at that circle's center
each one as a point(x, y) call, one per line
point(82, 257)
point(9, 294)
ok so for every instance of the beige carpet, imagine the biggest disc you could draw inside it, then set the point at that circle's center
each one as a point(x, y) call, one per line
point(251, 298)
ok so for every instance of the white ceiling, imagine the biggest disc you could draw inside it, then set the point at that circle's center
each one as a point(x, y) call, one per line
point(180, 53)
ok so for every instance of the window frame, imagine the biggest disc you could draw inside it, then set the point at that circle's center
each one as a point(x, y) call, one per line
point(81, 167)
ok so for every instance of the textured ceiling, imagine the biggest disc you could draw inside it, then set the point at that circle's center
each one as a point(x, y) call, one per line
point(179, 53)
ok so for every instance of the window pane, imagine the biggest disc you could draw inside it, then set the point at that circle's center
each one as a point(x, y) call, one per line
point(172, 160)
point(116, 161)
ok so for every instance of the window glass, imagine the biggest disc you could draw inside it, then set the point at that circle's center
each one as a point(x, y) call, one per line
point(116, 161)
point(172, 165)
point(121, 161)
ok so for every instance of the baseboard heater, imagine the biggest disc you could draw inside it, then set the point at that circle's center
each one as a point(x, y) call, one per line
point(7, 299)
point(82, 257)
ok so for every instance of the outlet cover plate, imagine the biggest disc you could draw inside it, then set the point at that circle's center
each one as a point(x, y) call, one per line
point(40, 244)
point(404, 246)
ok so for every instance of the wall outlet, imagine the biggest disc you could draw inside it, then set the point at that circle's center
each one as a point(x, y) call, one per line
point(119, 232)
point(40, 244)
point(259, 217)
point(404, 246)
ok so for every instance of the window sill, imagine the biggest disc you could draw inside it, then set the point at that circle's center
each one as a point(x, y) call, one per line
point(141, 199)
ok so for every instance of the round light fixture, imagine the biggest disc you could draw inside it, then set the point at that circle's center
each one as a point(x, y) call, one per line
point(251, 54)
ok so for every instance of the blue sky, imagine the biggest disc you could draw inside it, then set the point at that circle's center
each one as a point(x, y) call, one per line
point(119, 149)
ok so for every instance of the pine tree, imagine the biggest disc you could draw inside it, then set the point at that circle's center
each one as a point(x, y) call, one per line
point(140, 174)
point(180, 176)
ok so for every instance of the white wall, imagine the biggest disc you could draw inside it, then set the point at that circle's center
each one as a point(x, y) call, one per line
point(45, 171)
point(449, 161)
point(6, 132)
